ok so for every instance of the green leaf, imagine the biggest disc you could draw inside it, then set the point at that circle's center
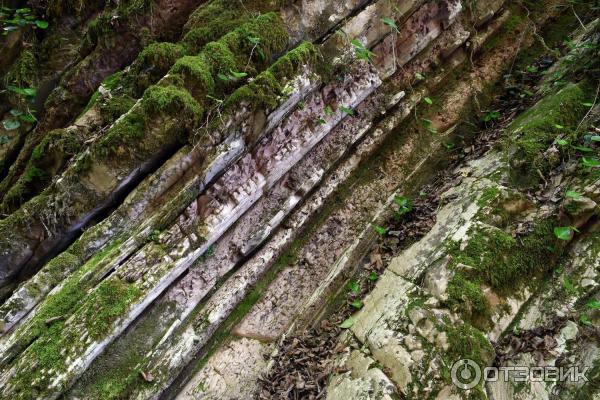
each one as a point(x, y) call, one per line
point(557, 126)
point(585, 320)
point(254, 40)
point(428, 100)
point(357, 304)
point(328, 111)
point(590, 162)
point(595, 138)
point(347, 111)
point(238, 75)
point(563, 232)
point(28, 118)
point(41, 24)
point(593, 304)
point(223, 77)
point(403, 203)
point(568, 285)
point(562, 142)
point(29, 92)
point(573, 195)
point(419, 76)
point(448, 145)
point(583, 149)
point(357, 43)
point(11, 124)
point(390, 22)
point(373, 276)
point(354, 287)
point(491, 116)
point(379, 229)
point(321, 121)
point(587, 104)
point(348, 323)
point(15, 112)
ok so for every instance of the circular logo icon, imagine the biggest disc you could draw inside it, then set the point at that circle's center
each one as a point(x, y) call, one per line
point(466, 374)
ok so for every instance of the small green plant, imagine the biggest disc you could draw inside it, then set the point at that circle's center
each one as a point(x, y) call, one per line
point(256, 42)
point(11, 124)
point(564, 232)
point(358, 304)
point(562, 142)
point(208, 253)
point(231, 76)
point(428, 100)
point(593, 304)
point(154, 236)
point(390, 22)
point(362, 53)
point(590, 162)
point(321, 121)
point(585, 320)
point(404, 205)
point(583, 149)
point(354, 287)
point(347, 324)
point(347, 111)
point(568, 286)
point(491, 116)
point(15, 122)
point(328, 111)
point(379, 229)
point(428, 124)
point(571, 194)
point(373, 277)
point(15, 19)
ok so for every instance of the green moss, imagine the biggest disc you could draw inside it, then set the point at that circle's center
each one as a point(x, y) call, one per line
point(106, 304)
point(214, 19)
point(115, 106)
point(466, 295)
point(126, 130)
point(535, 130)
point(22, 72)
point(105, 26)
point(488, 196)
point(504, 263)
point(33, 173)
point(160, 56)
point(265, 90)
point(197, 75)
point(161, 100)
point(468, 342)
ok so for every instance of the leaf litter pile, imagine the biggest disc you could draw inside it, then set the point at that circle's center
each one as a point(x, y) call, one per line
point(304, 362)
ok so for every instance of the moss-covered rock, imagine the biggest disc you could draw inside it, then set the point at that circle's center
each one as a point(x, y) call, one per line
point(554, 117)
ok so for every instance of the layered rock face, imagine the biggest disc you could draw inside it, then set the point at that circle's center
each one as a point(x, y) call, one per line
point(186, 184)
